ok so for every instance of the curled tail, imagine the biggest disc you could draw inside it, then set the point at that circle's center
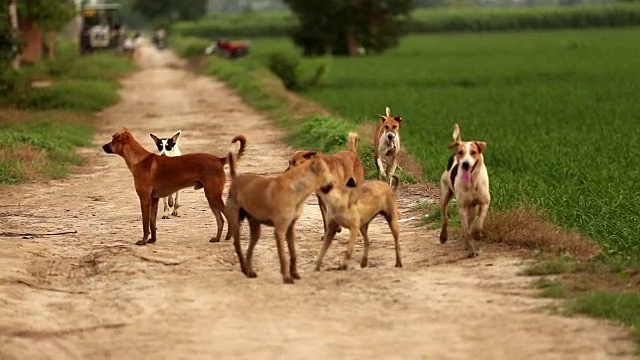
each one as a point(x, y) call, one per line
point(232, 165)
point(395, 182)
point(352, 141)
point(243, 144)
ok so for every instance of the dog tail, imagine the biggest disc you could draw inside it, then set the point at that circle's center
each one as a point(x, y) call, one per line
point(232, 165)
point(243, 144)
point(388, 111)
point(352, 141)
point(395, 182)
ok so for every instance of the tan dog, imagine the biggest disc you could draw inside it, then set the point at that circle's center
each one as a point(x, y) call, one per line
point(355, 208)
point(467, 178)
point(345, 166)
point(158, 176)
point(273, 201)
point(386, 144)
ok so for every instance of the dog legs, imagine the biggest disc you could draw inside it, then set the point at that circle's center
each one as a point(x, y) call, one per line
point(446, 195)
point(365, 256)
point(382, 174)
point(233, 218)
point(145, 207)
point(392, 170)
point(254, 231)
point(293, 266)
point(281, 234)
point(152, 220)
point(175, 204)
point(217, 206)
point(329, 234)
point(395, 230)
point(165, 213)
point(353, 236)
point(467, 215)
point(478, 233)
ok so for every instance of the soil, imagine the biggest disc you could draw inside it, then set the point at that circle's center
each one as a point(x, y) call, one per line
point(94, 294)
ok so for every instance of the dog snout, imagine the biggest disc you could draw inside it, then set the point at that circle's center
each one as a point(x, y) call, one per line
point(465, 165)
point(390, 136)
point(107, 148)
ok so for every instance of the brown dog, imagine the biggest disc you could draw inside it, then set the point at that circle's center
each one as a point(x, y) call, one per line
point(273, 201)
point(345, 166)
point(386, 144)
point(465, 177)
point(355, 208)
point(156, 176)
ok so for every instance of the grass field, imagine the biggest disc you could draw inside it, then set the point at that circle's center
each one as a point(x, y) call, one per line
point(559, 111)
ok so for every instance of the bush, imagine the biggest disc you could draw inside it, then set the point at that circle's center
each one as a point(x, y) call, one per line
point(77, 95)
point(250, 25)
point(321, 133)
point(188, 47)
point(287, 66)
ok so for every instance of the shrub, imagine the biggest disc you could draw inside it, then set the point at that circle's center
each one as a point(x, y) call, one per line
point(286, 65)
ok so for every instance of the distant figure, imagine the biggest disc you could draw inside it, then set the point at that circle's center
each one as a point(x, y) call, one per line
point(128, 47)
point(160, 38)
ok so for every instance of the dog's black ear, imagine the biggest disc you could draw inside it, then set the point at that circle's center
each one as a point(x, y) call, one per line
point(482, 146)
point(382, 118)
point(175, 137)
point(155, 138)
point(309, 154)
point(351, 182)
point(398, 119)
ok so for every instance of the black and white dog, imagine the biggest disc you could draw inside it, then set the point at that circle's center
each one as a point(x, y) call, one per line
point(169, 147)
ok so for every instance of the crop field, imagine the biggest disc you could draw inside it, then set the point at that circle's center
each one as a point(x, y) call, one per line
point(559, 111)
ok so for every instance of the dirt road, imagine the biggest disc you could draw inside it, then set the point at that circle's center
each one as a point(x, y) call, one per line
point(94, 294)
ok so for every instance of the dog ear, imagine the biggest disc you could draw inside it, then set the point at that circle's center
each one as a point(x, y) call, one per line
point(155, 138)
point(351, 182)
point(309, 154)
point(398, 119)
point(382, 118)
point(125, 137)
point(175, 137)
point(456, 133)
point(482, 146)
point(453, 145)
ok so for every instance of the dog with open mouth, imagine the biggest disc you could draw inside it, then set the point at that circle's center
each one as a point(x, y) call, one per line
point(387, 145)
point(466, 177)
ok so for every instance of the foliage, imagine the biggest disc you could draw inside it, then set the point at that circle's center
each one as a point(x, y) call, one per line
point(555, 109)
point(253, 24)
point(338, 27)
point(503, 19)
point(286, 65)
point(188, 46)
point(621, 307)
point(171, 9)
point(49, 14)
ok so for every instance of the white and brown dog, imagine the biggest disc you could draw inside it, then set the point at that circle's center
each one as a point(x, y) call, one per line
point(387, 145)
point(466, 177)
point(169, 147)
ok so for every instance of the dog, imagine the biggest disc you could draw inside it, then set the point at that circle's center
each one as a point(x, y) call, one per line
point(355, 208)
point(169, 147)
point(156, 176)
point(345, 166)
point(386, 144)
point(466, 177)
point(275, 201)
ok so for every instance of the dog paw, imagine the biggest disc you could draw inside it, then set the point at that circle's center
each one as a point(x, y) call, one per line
point(228, 237)
point(287, 280)
point(175, 213)
point(343, 267)
point(339, 229)
point(443, 237)
point(364, 263)
point(295, 275)
point(251, 274)
point(165, 216)
point(214, 239)
point(151, 241)
point(398, 264)
point(472, 253)
point(141, 242)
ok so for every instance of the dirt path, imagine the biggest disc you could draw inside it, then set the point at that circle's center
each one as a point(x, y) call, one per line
point(95, 295)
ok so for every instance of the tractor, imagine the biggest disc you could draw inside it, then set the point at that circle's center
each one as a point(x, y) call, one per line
point(101, 27)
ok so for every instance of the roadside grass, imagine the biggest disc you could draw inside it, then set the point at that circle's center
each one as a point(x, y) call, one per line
point(41, 126)
point(40, 145)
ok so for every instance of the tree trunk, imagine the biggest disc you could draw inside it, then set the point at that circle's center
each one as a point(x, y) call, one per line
point(13, 16)
point(51, 44)
point(352, 44)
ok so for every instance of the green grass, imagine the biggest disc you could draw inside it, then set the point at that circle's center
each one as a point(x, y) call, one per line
point(43, 146)
point(550, 289)
point(557, 109)
point(41, 127)
point(553, 266)
point(255, 24)
point(620, 307)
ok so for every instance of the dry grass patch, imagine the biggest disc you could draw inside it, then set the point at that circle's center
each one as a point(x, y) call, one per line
point(528, 228)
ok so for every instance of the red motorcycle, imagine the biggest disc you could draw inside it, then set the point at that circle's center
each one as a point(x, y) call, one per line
point(228, 49)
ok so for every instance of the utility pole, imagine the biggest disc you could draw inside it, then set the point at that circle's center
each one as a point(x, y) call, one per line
point(13, 16)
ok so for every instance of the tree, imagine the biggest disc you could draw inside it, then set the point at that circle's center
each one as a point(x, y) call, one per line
point(341, 26)
point(171, 9)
